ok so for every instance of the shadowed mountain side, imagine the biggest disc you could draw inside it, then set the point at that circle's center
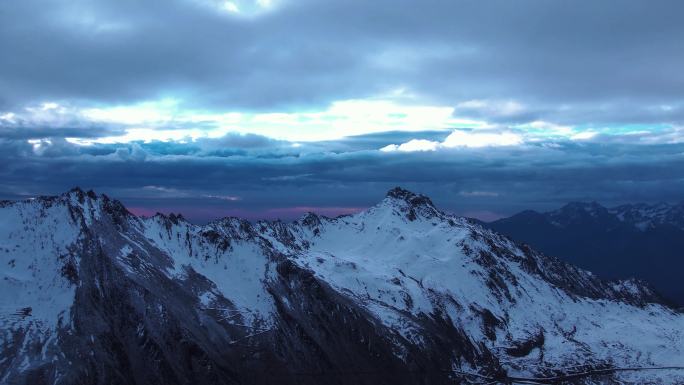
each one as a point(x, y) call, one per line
point(642, 241)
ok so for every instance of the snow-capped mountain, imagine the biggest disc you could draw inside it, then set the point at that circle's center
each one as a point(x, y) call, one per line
point(639, 239)
point(401, 293)
point(641, 216)
point(644, 216)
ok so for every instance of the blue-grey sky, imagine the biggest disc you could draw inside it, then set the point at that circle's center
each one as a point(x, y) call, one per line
point(269, 108)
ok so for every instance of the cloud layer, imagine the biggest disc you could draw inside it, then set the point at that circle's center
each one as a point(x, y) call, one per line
point(528, 60)
point(258, 177)
point(261, 107)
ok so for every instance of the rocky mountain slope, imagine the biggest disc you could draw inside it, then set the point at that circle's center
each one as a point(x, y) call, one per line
point(398, 294)
point(639, 239)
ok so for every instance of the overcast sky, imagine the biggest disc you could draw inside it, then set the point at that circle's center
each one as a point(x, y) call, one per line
point(270, 108)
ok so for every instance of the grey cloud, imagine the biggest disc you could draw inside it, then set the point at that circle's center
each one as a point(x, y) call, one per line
point(582, 62)
point(601, 58)
point(45, 131)
point(498, 180)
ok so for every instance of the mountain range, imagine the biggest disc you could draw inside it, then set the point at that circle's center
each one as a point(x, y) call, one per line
point(401, 293)
point(637, 240)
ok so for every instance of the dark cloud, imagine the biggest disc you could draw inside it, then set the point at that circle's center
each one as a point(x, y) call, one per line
point(612, 60)
point(39, 132)
point(578, 63)
point(490, 181)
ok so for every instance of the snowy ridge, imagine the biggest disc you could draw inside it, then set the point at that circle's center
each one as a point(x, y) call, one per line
point(403, 256)
point(645, 216)
point(400, 285)
point(641, 216)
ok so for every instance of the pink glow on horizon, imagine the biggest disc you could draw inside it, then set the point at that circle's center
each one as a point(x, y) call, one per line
point(485, 216)
point(145, 212)
point(301, 210)
point(205, 214)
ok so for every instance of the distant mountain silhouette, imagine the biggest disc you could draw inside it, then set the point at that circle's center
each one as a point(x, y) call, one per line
point(640, 240)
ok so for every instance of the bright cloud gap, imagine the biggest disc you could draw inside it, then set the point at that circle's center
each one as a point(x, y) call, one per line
point(168, 120)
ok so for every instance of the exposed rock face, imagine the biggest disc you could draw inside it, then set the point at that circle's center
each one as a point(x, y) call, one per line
point(399, 294)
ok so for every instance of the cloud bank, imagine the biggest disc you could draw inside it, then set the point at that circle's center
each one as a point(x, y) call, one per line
point(260, 107)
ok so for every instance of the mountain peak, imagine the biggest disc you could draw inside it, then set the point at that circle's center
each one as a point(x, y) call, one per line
point(80, 194)
point(575, 210)
point(76, 189)
point(410, 197)
point(86, 200)
point(410, 203)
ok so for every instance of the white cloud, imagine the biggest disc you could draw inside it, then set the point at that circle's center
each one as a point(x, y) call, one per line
point(412, 145)
point(49, 106)
point(491, 108)
point(158, 112)
point(39, 145)
point(231, 7)
point(548, 127)
point(147, 135)
point(584, 135)
point(176, 193)
point(44, 114)
point(231, 198)
point(459, 138)
point(152, 120)
point(169, 120)
point(540, 131)
point(478, 194)
point(8, 117)
point(265, 3)
point(246, 9)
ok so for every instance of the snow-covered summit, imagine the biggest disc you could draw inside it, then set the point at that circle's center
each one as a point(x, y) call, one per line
point(409, 197)
point(410, 203)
